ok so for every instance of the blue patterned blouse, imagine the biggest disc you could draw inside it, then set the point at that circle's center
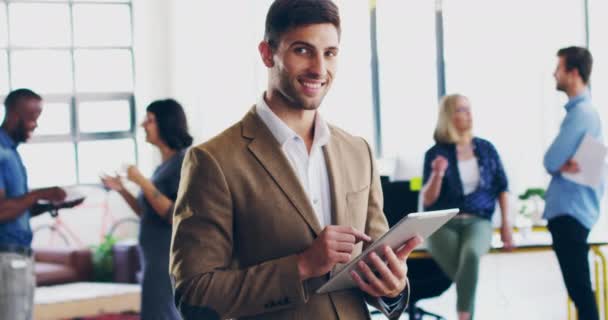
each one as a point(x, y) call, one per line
point(492, 179)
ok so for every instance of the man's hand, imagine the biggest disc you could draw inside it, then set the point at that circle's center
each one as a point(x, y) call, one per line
point(571, 166)
point(390, 277)
point(334, 245)
point(52, 194)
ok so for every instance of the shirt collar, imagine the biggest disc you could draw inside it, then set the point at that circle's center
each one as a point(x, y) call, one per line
point(572, 102)
point(6, 140)
point(283, 133)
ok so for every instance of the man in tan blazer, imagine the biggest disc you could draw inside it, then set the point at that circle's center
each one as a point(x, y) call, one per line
point(269, 207)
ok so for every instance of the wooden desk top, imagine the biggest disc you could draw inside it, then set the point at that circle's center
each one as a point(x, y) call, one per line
point(84, 299)
point(538, 239)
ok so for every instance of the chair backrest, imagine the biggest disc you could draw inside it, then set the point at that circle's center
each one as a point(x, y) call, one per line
point(427, 280)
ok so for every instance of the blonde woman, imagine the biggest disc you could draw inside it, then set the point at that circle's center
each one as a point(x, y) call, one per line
point(463, 171)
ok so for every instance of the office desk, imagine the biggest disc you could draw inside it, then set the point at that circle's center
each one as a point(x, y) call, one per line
point(84, 299)
point(539, 239)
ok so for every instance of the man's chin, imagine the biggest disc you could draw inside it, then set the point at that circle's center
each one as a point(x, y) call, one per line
point(308, 103)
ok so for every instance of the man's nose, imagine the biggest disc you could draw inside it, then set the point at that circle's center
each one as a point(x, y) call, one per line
point(318, 65)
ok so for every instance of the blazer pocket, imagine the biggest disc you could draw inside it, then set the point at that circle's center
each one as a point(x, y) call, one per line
point(356, 204)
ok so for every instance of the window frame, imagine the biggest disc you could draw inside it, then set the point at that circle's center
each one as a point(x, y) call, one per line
point(75, 98)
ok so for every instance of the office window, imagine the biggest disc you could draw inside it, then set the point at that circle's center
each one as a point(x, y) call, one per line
point(3, 33)
point(45, 71)
point(91, 27)
point(79, 56)
point(115, 74)
point(50, 163)
point(39, 24)
point(598, 44)
point(502, 56)
point(3, 74)
point(117, 154)
point(53, 120)
point(407, 81)
point(104, 116)
point(3, 55)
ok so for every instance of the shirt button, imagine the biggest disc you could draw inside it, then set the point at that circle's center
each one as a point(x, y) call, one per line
point(315, 201)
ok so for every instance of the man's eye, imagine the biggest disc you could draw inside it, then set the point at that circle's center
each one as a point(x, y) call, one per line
point(331, 53)
point(301, 50)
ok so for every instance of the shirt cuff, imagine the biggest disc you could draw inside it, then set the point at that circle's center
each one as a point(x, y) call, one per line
point(399, 302)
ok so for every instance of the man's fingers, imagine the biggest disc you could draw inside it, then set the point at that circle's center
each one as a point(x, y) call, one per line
point(359, 236)
point(344, 237)
point(340, 257)
point(408, 247)
point(394, 263)
point(387, 277)
point(371, 278)
point(363, 285)
point(343, 247)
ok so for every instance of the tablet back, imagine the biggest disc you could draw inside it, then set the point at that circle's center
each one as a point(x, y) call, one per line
point(419, 223)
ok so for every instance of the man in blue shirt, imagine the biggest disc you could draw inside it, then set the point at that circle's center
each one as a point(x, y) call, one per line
point(18, 204)
point(572, 209)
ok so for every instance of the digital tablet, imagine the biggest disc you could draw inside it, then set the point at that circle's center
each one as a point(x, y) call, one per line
point(419, 223)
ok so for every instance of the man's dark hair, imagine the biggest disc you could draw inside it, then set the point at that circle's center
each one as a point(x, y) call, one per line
point(578, 58)
point(172, 123)
point(285, 15)
point(13, 98)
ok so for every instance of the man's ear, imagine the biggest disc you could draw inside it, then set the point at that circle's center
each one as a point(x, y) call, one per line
point(266, 54)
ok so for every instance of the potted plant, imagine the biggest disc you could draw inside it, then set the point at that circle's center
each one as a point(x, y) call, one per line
point(102, 260)
point(533, 200)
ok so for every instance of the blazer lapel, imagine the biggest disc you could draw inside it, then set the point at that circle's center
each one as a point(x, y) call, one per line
point(333, 160)
point(267, 150)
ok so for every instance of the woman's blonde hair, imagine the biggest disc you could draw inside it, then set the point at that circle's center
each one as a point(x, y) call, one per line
point(445, 132)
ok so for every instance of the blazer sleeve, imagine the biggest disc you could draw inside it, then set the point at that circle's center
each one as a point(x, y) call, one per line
point(202, 250)
point(376, 225)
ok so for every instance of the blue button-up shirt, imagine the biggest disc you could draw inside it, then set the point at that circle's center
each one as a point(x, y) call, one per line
point(13, 181)
point(564, 197)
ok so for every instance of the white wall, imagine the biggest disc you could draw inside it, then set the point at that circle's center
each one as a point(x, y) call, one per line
point(218, 74)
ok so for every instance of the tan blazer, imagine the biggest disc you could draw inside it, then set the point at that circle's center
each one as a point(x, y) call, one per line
point(241, 216)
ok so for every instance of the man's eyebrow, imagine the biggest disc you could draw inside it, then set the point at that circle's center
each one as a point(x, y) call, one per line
point(304, 43)
point(301, 43)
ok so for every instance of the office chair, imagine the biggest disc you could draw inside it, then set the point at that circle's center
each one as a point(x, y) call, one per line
point(427, 280)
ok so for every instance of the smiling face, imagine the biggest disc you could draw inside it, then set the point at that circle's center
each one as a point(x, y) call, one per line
point(151, 128)
point(27, 111)
point(303, 65)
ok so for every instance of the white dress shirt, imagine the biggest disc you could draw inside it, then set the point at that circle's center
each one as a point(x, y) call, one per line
point(310, 169)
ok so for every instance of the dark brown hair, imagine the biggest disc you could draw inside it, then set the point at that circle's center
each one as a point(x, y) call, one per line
point(172, 123)
point(578, 58)
point(285, 15)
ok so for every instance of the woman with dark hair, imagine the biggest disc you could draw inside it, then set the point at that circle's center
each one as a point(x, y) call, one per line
point(167, 129)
